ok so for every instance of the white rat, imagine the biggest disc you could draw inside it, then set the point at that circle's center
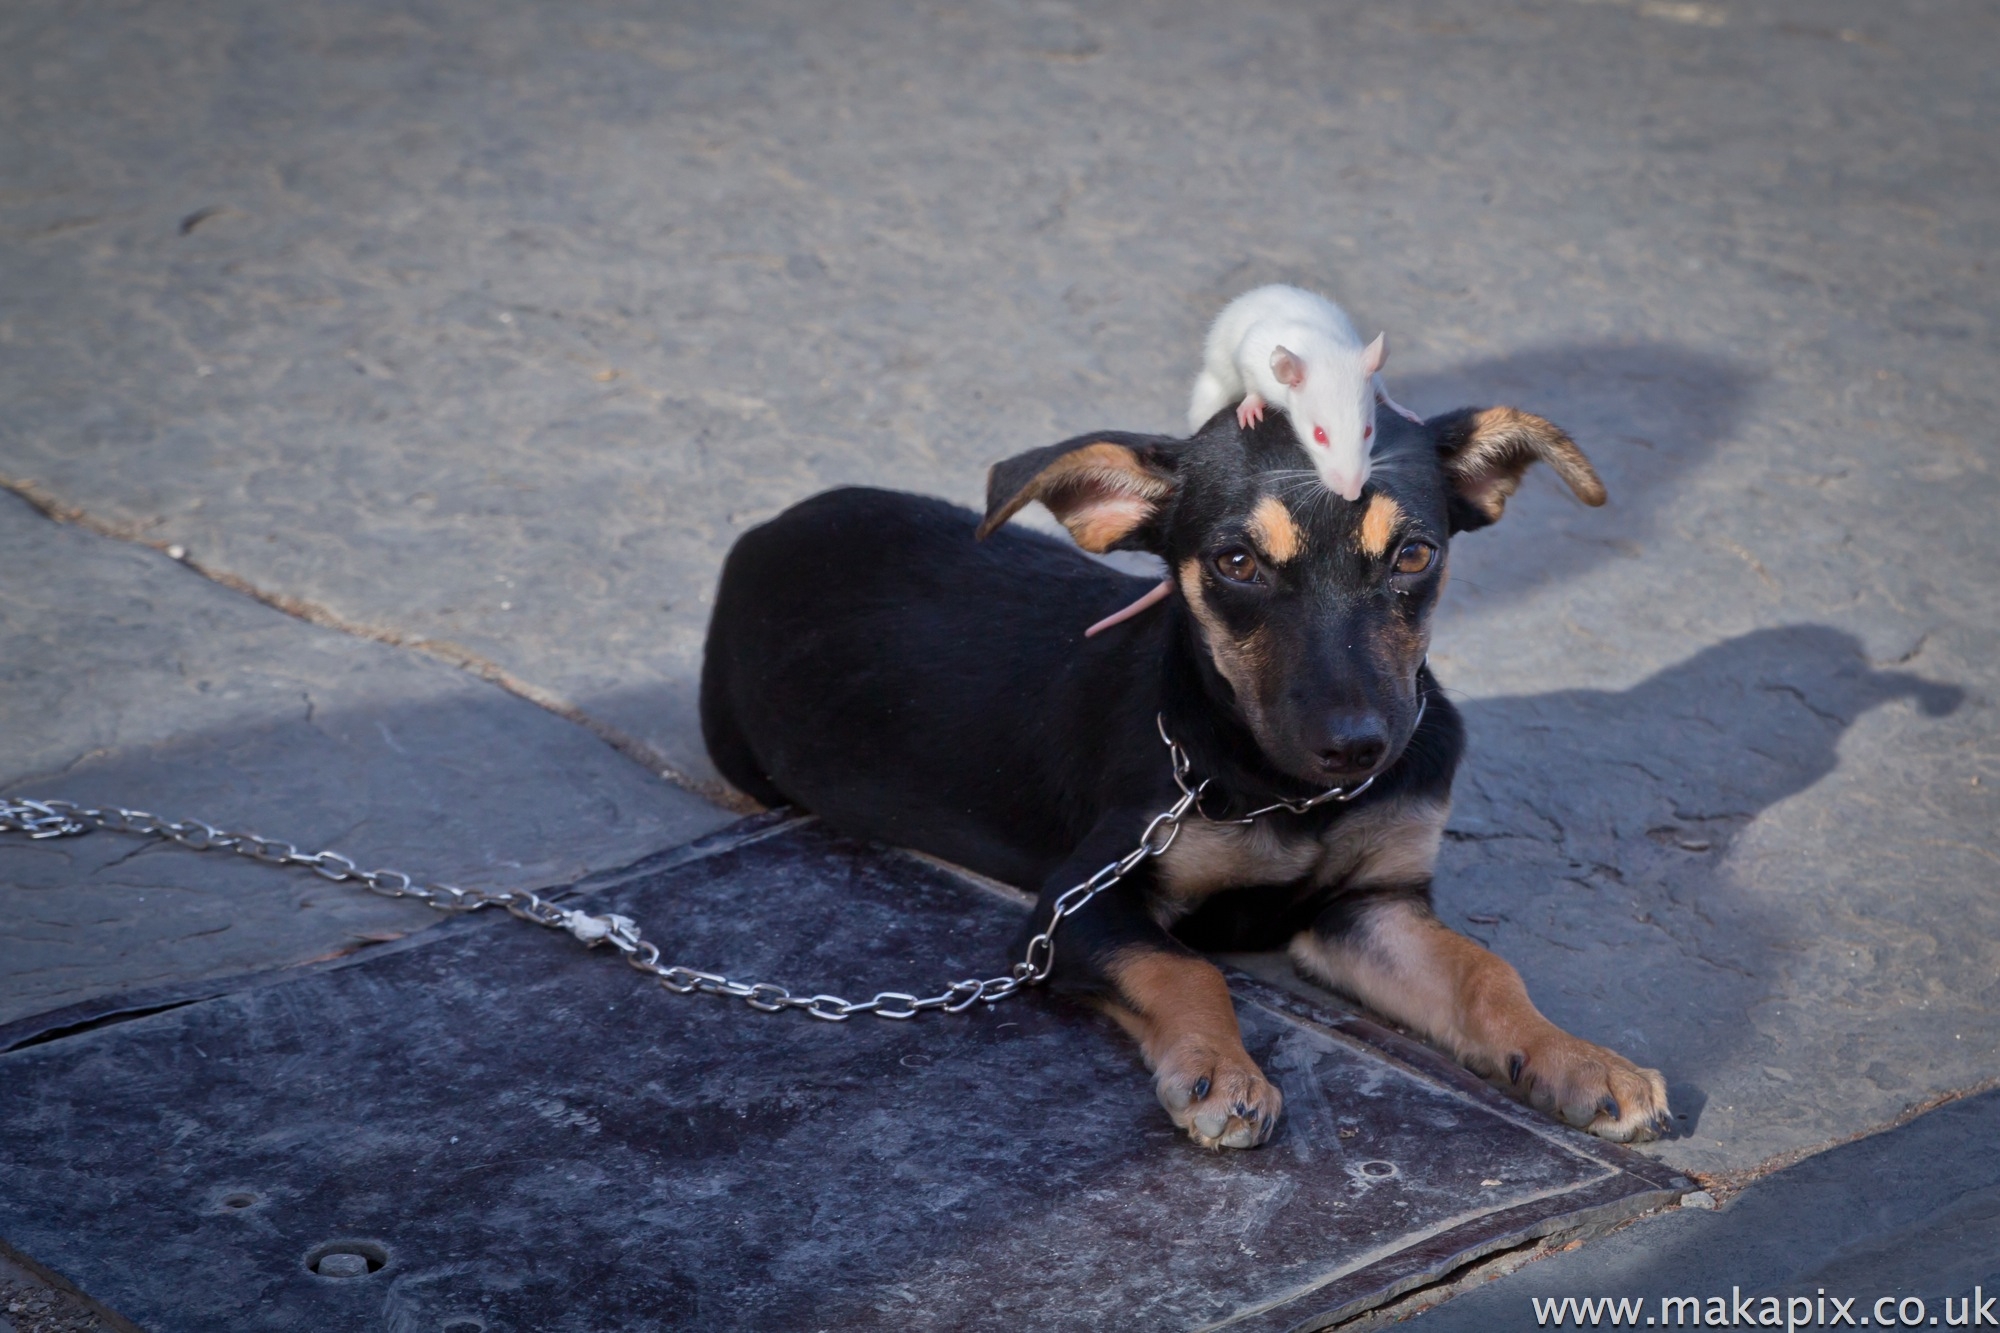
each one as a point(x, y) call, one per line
point(1289, 347)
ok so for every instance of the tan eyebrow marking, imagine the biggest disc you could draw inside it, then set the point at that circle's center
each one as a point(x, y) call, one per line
point(1378, 524)
point(1273, 529)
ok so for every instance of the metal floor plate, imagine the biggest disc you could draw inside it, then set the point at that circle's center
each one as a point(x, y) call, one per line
point(526, 1136)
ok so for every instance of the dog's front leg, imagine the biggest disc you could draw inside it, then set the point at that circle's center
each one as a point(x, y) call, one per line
point(1173, 1002)
point(1177, 1007)
point(1395, 956)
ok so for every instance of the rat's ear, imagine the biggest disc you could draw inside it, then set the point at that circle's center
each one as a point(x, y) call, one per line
point(1375, 355)
point(1107, 488)
point(1291, 371)
point(1487, 449)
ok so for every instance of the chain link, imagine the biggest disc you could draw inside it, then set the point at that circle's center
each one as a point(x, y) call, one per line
point(40, 819)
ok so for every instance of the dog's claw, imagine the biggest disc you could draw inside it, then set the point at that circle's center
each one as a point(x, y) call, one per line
point(1248, 1134)
point(1228, 1105)
point(1590, 1088)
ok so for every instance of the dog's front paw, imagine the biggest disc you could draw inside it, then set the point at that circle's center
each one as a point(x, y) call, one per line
point(1220, 1098)
point(1592, 1088)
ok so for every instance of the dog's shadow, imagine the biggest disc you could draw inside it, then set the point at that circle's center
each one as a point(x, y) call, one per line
point(1592, 835)
point(1647, 414)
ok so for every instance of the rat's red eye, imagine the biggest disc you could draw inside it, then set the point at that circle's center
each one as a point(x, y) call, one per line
point(1319, 435)
point(1367, 431)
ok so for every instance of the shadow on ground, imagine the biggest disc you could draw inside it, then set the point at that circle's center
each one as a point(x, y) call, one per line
point(1914, 1212)
point(1595, 834)
point(1648, 415)
point(1592, 846)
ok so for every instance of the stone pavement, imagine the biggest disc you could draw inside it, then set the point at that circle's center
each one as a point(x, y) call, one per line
point(132, 681)
point(468, 336)
point(1913, 1213)
point(494, 1128)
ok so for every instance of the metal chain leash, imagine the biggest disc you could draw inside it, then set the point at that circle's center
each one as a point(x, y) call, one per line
point(40, 819)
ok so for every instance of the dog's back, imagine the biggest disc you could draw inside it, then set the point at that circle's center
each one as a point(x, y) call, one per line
point(877, 615)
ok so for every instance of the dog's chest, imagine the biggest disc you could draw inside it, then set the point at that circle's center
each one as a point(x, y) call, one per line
point(1387, 842)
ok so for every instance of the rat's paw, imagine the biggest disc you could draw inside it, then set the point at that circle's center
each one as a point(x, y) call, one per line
point(1220, 1098)
point(1250, 411)
point(1592, 1088)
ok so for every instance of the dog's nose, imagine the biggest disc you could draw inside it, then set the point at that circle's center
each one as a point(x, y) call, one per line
point(1352, 745)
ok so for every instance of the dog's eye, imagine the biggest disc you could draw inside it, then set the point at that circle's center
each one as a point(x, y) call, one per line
point(1415, 557)
point(1237, 565)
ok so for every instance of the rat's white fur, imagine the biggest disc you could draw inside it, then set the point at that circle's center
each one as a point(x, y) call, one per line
point(1297, 350)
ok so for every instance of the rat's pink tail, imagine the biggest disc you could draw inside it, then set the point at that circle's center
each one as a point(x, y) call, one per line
point(1152, 595)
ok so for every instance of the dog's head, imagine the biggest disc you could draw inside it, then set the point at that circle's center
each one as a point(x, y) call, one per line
point(1310, 613)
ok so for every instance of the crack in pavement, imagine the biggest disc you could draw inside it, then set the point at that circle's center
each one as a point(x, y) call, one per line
point(1779, 687)
point(121, 859)
point(1724, 1184)
point(441, 650)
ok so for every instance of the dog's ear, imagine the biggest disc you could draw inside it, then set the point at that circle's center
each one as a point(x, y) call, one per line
point(1487, 449)
point(1107, 488)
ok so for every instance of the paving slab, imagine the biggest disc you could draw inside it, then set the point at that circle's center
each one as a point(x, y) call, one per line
point(485, 328)
point(491, 1128)
point(129, 680)
point(1696, 870)
point(1910, 1214)
point(492, 325)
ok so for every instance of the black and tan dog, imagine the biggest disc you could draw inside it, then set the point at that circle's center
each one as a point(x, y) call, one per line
point(871, 661)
